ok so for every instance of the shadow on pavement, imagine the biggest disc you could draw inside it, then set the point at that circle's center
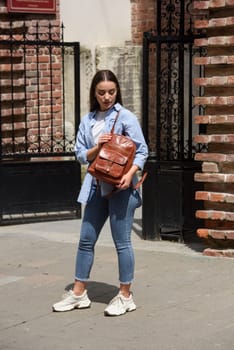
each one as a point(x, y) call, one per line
point(190, 238)
point(99, 292)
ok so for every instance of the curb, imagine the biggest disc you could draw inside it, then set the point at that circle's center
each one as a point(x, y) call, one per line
point(227, 253)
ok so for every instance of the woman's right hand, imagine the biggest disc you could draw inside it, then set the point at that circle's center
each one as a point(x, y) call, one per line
point(92, 152)
point(103, 138)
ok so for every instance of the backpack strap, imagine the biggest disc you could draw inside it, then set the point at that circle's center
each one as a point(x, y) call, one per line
point(140, 182)
point(113, 127)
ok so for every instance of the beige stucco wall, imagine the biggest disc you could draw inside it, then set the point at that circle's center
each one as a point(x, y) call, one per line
point(96, 22)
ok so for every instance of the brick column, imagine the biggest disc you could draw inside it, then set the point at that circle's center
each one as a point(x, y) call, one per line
point(143, 14)
point(218, 101)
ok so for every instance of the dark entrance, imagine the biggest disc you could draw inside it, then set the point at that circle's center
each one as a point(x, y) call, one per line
point(168, 115)
point(39, 115)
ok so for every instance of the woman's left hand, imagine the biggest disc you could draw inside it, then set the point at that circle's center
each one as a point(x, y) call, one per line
point(125, 182)
point(127, 178)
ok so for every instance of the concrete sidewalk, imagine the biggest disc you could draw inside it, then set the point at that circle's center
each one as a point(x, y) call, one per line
point(185, 301)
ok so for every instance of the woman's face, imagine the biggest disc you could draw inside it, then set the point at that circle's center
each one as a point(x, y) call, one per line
point(105, 93)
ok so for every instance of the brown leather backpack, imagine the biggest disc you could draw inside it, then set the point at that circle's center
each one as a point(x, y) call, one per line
point(114, 159)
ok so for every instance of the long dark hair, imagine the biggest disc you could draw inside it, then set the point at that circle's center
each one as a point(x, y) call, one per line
point(102, 75)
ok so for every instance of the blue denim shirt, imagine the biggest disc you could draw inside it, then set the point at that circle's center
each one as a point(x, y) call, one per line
point(127, 123)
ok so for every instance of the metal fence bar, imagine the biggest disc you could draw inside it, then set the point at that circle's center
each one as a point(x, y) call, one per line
point(77, 85)
point(0, 117)
point(145, 90)
point(25, 98)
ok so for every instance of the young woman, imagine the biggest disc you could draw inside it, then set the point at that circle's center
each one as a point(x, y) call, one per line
point(94, 130)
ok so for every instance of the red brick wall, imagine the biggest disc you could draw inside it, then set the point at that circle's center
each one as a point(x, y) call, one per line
point(218, 100)
point(22, 99)
point(143, 13)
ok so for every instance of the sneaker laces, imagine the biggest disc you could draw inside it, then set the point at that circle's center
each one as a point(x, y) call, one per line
point(67, 294)
point(119, 297)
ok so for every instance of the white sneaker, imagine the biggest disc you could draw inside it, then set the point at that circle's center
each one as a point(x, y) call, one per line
point(119, 305)
point(72, 301)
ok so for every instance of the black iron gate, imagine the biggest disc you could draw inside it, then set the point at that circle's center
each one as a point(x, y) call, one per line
point(39, 115)
point(168, 122)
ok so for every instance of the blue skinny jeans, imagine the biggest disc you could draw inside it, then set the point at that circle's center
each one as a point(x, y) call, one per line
point(120, 209)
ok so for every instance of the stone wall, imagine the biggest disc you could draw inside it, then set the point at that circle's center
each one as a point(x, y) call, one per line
point(126, 63)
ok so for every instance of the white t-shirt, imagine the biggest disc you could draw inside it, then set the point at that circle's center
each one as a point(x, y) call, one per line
point(98, 126)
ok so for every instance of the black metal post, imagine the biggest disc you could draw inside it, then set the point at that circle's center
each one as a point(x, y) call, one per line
point(77, 84)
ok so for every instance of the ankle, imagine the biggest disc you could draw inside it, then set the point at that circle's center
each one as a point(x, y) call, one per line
point(125, 290)
point(78, 292)
point(79, 288)
point(125, 294)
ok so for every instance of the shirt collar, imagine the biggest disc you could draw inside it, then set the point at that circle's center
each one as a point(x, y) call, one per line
point(116, 107)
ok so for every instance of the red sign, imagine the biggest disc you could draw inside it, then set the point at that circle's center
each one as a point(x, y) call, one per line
point(29, 6)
